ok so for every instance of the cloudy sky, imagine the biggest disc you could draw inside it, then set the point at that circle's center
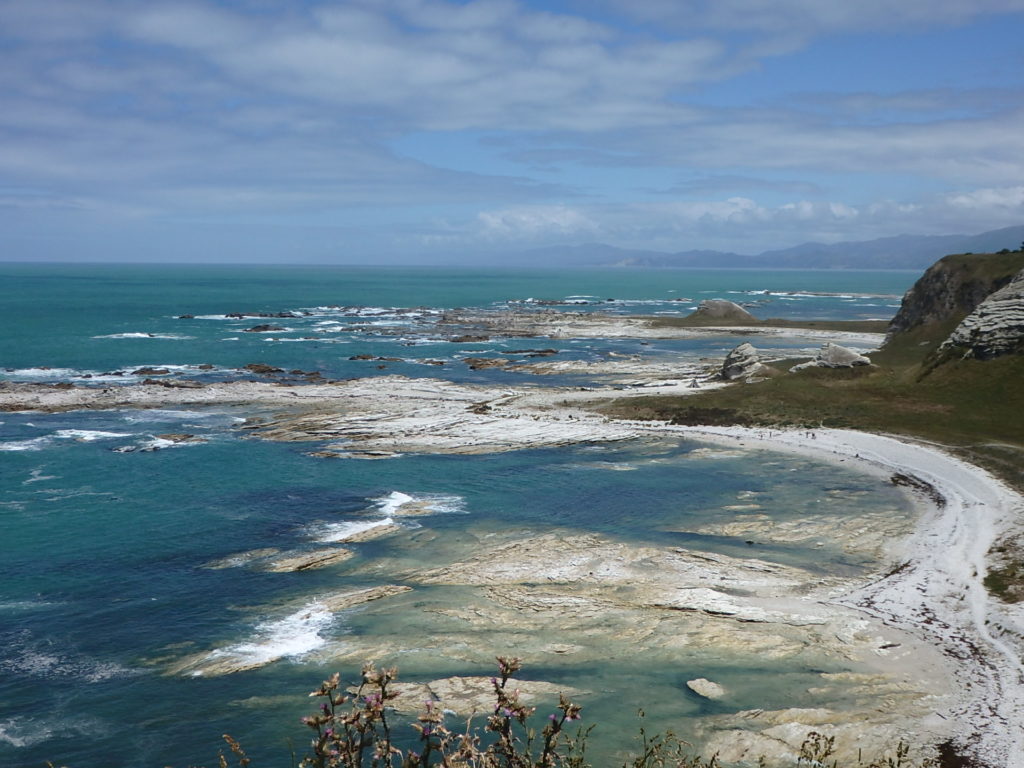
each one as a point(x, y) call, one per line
point(411, 130)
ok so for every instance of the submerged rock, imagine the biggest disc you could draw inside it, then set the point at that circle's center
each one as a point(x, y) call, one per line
point(304, 561)
point(704, 687)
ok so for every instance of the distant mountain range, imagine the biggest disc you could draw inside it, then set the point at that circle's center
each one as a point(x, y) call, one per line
point(901, 252)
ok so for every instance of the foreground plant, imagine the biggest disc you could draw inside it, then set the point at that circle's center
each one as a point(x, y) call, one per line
point(352, 731)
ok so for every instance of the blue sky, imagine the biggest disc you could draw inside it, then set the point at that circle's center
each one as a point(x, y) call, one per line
point(371, 131)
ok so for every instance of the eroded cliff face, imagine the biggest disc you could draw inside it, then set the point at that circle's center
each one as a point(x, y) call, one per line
point(952, 288)
point(994, 328)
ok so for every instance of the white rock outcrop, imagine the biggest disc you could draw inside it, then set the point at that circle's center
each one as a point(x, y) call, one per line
point(743, 362)
point(834, 356)
point(995, 327)
point(722, 309)
point(706, 688)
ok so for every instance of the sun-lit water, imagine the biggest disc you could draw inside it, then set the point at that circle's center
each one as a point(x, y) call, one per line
point(105, 553)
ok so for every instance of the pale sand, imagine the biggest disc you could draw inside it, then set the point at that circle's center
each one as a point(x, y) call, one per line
point(939, 594)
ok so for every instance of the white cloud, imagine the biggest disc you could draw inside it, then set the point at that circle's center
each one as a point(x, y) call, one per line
point(1005, 198)
point(535, 222)
point(801, 17)
point(742, 224)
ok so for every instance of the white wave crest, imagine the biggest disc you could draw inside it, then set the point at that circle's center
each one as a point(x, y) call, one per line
point(398, 504)
point(140, 335)
point(294, 635)
point(333, 532)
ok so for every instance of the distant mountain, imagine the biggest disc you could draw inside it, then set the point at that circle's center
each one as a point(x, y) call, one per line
point(901, 252)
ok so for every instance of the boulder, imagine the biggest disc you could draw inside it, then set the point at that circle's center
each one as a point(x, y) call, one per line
point(994, 328)
point(834, 356)
point(262, 368)
point(723, 311)
point(742, 363)
point(263, 328)
point(704, 687)
point(479, 363)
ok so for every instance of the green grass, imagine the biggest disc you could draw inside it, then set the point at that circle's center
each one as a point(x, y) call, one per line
point(975, 408)
point(967, 405)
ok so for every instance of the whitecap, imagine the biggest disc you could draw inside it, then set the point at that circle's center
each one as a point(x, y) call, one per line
point(294, 635)
point(331, 532)
point(42, 373)
point(48, 660)
point(88, 435)
point(22, 731)
point(398, 503)
point(36, 476)
point(390, 503)
point(35, 444)
point(138, 335)
point(159, 414)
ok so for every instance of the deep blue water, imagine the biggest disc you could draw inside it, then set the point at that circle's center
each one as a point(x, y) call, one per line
point(103, 584)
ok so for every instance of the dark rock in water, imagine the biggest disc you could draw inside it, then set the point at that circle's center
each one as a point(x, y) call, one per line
point(175, 383)
point(994, 328)
point(722, 310)
point(431, 362)
point(833, 356)
point(205, 367)
point(177, 437)
point(469, 339)
point(533, 352)
point(262, 368)
point(186, 317)
point(362, 357)
point(479, 363)
point(243, 315)
point(263, 328)
point(742, 363)
point(148, 371)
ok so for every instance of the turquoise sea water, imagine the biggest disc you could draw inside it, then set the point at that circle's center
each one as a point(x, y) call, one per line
point(103, 584)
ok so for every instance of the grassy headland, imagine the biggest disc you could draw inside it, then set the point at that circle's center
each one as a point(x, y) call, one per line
point(973, 407)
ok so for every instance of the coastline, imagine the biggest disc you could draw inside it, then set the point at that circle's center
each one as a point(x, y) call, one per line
point(936, 595)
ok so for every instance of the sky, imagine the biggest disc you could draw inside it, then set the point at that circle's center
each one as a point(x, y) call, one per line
point(418, 131)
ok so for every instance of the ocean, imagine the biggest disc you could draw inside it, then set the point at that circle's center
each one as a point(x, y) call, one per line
point(122, 554)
